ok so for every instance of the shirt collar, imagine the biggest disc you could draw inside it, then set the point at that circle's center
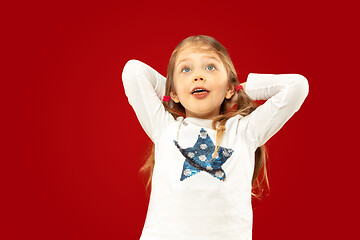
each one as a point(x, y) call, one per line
point(199, 121)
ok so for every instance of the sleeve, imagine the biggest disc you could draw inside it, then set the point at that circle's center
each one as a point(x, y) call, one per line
point(144, 88)
point(284, 94)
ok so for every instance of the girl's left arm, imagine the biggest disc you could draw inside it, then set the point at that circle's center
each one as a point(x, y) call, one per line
point(285, 93)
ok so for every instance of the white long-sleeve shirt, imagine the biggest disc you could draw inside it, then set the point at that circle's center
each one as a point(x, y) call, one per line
point(194, 197)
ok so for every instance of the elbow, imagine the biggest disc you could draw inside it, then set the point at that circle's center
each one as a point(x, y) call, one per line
point(296, 93)
point(129, 75)
point(302, 86)
point(130, 69)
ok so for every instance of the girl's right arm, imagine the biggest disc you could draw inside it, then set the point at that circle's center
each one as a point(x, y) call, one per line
point(144, 88)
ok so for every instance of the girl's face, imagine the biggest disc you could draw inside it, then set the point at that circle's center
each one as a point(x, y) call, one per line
point(204, 71)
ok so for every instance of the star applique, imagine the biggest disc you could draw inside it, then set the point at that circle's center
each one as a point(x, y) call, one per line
point(198, 158)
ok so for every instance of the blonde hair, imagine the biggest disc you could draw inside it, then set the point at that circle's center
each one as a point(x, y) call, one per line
point(245, 105)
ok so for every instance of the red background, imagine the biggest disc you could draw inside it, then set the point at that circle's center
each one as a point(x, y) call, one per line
point(72, 145)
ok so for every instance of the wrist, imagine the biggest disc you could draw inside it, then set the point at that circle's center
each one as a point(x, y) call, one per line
point(243, 85)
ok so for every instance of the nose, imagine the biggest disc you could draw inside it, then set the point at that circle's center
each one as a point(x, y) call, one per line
point(199, 78)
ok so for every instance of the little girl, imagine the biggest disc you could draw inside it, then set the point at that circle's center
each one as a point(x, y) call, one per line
point(208, 137)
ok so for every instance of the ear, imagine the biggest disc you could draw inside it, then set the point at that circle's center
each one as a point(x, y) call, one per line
point(230, 92)
point(174, 97)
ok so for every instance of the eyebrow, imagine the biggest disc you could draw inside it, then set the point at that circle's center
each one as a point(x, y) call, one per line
point(186, 59)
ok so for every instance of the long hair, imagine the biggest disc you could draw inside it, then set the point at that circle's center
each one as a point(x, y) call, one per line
point(245, 105)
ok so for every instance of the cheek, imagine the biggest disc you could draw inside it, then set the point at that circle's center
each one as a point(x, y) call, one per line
point(176, 86)
point(220, 80)
point(181, 87)
point(180, 92)
point(221, 88)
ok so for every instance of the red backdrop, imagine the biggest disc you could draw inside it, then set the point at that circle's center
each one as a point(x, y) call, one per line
point(72, 145)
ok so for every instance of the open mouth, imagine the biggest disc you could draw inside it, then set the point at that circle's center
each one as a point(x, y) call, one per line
point(200, 93)
point(199, 90)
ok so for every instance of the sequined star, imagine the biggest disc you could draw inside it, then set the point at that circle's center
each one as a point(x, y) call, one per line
point(200, 157)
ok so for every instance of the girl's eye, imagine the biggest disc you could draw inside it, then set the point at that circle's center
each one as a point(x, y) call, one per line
point(189, 68)
point(212, 66)
point(184, 69)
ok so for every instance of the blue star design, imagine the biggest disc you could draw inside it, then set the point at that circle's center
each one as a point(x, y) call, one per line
point(199, 158)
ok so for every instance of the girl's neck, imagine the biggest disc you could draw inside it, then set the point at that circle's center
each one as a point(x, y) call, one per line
point(209, 116)
point(203, 122)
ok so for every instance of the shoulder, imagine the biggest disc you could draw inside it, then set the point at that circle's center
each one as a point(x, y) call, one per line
point(234, 121)
point(170, 128)
point(238, 125)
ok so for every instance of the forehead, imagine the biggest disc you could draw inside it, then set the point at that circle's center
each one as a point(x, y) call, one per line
point(194, 54)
